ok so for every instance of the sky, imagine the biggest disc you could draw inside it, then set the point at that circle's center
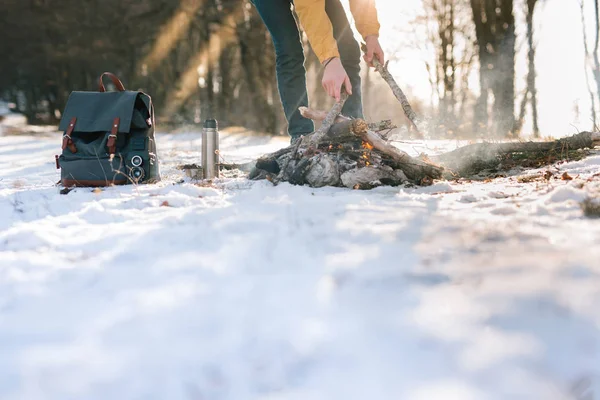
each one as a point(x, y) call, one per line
point(560, 60)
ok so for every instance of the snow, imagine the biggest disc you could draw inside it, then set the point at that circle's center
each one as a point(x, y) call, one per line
point(9, 119)
point(15, 123)
point(242, 290)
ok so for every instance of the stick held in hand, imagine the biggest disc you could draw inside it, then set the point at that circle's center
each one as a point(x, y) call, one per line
point(329, 120)
point(406, 107)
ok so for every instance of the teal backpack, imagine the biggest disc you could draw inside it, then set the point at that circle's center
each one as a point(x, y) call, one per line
point(108, 138)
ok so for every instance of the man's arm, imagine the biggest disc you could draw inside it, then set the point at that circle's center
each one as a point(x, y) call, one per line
point(317, 25)
point(365, 17)
point(367, 24)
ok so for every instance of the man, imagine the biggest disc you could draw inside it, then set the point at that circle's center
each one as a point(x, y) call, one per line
point(331, 38)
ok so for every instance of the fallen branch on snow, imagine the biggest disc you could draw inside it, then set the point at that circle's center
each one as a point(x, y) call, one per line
point(471, 159)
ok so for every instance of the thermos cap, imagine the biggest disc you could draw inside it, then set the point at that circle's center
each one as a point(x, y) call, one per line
point(210, 123)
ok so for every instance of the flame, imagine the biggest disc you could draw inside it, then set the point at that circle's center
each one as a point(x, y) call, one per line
point(366, 155)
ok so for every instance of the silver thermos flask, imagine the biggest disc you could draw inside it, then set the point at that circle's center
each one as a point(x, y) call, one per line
point(210, 149)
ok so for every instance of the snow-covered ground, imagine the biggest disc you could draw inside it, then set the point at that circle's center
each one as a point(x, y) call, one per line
point(248, 291)
point(13, 122)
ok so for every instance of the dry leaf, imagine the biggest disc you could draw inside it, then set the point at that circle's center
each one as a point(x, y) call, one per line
point(165, 204)
point(426, 181)
point(566, 177)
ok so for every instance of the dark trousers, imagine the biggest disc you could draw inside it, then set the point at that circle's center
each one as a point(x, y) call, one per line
point(291, 74)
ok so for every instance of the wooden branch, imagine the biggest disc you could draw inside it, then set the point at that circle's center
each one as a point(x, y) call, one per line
point(463, 160)
point(328, 121)
point(268, 162)
point(417, 170)
point(339, 130)
point(344, 131)
point(318, 115)
point(406, 107)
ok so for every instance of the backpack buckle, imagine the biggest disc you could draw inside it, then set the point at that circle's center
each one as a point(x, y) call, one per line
point(111, 143)
point(67, 140)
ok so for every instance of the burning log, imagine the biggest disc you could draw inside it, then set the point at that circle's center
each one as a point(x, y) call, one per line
point(344, 152)
point(414, 168)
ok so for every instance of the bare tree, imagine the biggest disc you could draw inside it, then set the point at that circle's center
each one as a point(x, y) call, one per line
point(588, 63)
point(448, 28)
point(530, 94)
point(495, 31)
point(596, 69)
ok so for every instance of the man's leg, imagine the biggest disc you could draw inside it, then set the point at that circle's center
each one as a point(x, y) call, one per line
point(349, 54)
point(291, 74)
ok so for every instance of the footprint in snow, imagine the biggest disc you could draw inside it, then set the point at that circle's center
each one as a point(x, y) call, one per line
point(504, 211)
point(498, 195)
point(468, 198)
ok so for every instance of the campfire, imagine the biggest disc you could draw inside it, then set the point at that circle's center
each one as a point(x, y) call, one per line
point(344, 152)
point(352, 153)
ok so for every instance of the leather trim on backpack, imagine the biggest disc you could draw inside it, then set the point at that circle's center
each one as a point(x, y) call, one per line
point(92, 183)
point(67, 140)
point(116, 81)
point(111, 143)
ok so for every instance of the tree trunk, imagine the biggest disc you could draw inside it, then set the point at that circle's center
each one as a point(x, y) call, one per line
point(495, 31)
point(481, 118)
point(522, 111)
point(504, 84)
point(586, 64)
point(597, 49)
point(447, 62)
point(531, 75)
point(250, 61)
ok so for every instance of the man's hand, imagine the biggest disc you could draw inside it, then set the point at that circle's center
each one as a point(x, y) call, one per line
point(373, 50)
point(334, 78)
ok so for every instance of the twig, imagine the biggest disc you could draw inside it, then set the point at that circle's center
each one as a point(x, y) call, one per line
point(328, 121)
point(318, 115)
point(408, 111)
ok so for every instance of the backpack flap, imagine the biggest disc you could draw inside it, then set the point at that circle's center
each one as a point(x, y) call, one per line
point(96, 111)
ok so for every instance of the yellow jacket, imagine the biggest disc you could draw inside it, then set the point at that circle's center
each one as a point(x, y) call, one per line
point(319, 31)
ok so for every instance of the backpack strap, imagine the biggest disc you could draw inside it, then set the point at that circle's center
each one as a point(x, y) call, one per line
point(67, 140)
point(116, 81)
point(111, 143)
